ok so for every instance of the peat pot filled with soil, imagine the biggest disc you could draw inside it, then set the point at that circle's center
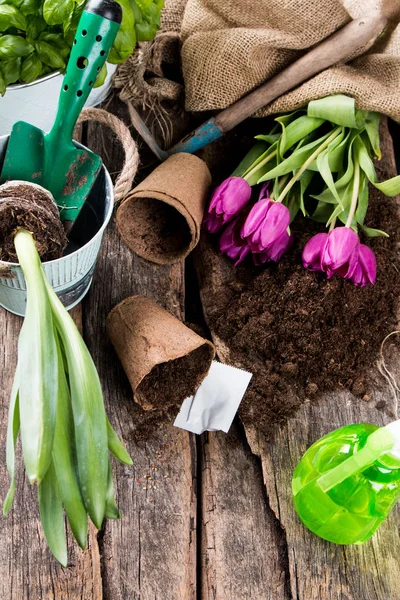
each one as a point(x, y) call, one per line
point(68, 263)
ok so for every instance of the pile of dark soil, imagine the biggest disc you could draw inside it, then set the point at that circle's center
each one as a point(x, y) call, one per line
point(170, 383)
point(298, 333)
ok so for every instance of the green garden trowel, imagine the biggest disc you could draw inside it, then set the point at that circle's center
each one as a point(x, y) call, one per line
point(52, 160)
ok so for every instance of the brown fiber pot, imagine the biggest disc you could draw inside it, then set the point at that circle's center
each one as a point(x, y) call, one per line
point(164, 360)
point(161, 218)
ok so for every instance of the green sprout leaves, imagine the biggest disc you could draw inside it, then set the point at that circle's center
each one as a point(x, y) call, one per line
point(58, 407)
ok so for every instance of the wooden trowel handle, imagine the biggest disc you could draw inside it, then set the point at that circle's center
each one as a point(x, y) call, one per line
point(353, 38)
point(349, 40)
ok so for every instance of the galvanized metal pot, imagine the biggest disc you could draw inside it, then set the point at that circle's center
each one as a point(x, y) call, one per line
point(71, 275)
point(36, 102)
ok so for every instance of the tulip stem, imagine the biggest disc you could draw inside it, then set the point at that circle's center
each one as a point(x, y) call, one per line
point(354, 197)
point(265, 161)
point(332, 225)
point(308, 162)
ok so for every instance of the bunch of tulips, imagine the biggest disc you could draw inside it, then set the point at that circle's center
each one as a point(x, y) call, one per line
point(318, 162)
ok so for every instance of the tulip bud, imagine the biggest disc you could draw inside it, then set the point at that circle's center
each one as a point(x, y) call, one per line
point(340, 254)
point(231, 244)
point(266, 223)
point(275, 251)
point(365, 271)
point(312, 253)
point(227, 201)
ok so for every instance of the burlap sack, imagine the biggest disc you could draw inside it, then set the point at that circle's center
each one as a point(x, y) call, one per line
point(231, 46)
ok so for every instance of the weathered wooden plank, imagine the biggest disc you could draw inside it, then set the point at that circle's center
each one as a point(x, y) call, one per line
point(318, 570)
point(243, 553)
point(151, 552)
point(27, 568)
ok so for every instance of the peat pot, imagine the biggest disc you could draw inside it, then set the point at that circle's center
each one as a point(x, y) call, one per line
point(37, 102)
point(71, 275)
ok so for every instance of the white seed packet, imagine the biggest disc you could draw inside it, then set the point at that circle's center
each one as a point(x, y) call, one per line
point(216, 402)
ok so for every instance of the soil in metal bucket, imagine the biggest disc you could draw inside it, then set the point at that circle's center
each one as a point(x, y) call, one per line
point(298, 333)
point(33, 208)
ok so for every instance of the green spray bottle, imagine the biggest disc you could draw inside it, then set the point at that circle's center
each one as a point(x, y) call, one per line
point(347, 483)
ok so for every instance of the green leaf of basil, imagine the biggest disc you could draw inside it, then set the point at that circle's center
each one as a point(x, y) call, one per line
point(128, 20)
point(123, 47)
point(57, 40)
point(11, 70)
point(49, 55)
point(31, 68)
point(13, 46)
point(30, 7)
point(55, 12)
point(11, 17)
point(2, 85)
point(101, 77)
point(35, 27)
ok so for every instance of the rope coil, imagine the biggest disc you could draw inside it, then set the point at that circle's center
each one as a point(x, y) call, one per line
point(123, 184)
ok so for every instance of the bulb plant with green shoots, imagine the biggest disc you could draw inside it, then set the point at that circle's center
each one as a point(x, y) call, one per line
point(316, 161)
point(56, 401)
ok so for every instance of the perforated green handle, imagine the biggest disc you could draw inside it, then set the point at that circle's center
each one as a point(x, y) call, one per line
point(95, 35)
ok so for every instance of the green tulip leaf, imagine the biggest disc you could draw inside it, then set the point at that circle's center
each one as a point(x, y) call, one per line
point(338, 109)
point(370, 232)
point(38, 361)
point(297, 130)
point(112, 511)
point(12, 435)
point(250, 159)
point(52, 515)
point(65, 460)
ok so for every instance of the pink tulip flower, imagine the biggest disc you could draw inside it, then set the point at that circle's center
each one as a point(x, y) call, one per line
point(266, 223)
point(312, 253)
point(365, 271)
point(231, 243)
point(276, 251)
point(227, 201)
point(340, 254)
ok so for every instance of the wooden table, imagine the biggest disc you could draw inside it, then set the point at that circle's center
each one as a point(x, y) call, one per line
point(202, 518)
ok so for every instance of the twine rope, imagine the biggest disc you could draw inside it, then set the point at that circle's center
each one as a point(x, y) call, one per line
point(123, 184)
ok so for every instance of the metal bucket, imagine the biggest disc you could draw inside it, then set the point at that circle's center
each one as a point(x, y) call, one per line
point(37, 102)
point(71, 275)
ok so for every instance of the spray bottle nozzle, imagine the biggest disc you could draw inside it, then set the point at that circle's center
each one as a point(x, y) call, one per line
point(380, 442)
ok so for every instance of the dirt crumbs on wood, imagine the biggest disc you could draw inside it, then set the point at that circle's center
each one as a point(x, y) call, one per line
point(298, 333)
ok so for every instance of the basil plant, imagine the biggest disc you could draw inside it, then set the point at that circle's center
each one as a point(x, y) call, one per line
point(36, 35)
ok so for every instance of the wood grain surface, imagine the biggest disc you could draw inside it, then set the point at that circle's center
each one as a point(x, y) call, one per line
point(201, 518)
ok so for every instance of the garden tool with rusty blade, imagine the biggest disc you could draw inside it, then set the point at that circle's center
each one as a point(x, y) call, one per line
point(358, 35)
point(52, 160)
